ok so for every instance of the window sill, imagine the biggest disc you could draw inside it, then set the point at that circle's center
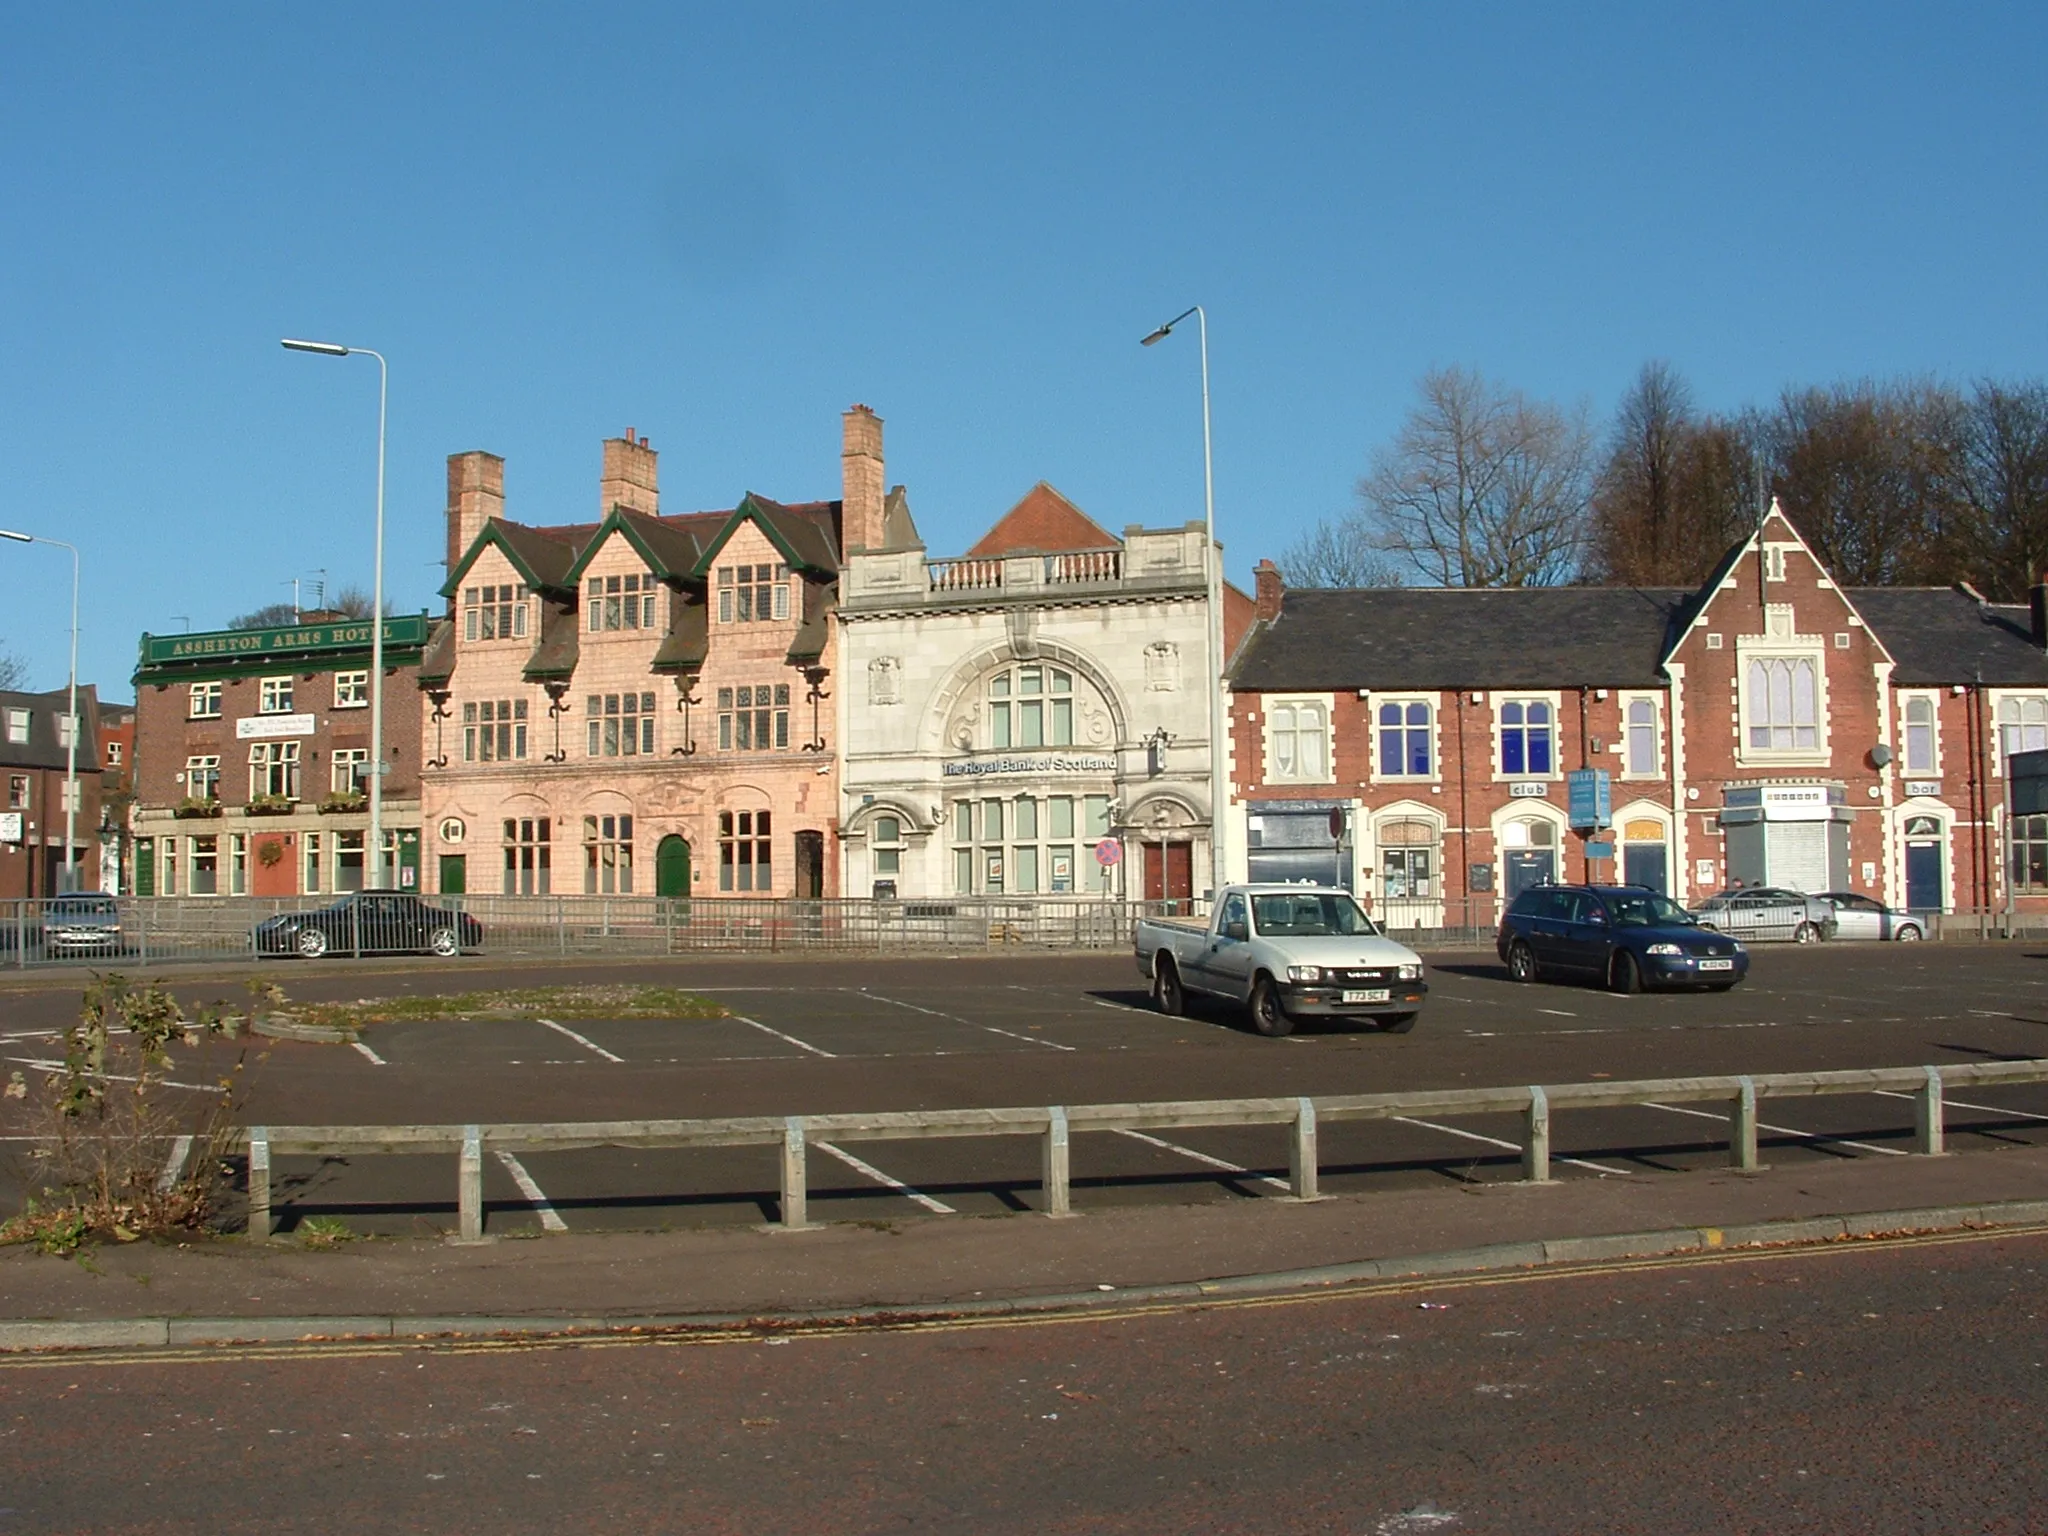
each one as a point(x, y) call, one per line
point(1800, 759)
point(359, 704)
point(1406, 778)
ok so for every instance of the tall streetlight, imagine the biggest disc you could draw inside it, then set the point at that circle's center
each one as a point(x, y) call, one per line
point(70, 710)
point(1219, 713)
point(335, 349)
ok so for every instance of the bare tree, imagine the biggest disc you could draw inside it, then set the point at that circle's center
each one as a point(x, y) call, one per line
point(1483, 487)
point(355, 603)
point(13, 671)
point(271, 616)
point(349, 602)
point(1339, 553)
point(2000, 477)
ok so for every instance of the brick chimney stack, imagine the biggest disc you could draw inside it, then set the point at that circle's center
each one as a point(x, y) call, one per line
point(1272, 591)
point(628, 479)
point(476, 494)
point(860, 481)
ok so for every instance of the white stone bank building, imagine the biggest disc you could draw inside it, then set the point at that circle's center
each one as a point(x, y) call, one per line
point(1030, 719)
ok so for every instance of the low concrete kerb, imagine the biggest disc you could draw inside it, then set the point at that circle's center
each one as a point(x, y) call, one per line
point(28, 1335)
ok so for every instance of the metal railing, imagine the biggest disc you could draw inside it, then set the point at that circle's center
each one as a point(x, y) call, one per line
point(1055, 1126)
point(146, 930)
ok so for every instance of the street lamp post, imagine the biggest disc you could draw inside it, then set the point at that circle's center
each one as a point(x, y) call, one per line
point(71, 712)
point(1219, 713)
point(335, 349)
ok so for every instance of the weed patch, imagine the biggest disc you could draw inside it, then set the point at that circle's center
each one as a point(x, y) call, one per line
point(604, 1002)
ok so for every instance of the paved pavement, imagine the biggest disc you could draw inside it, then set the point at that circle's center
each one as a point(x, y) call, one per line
point(1887, 1388)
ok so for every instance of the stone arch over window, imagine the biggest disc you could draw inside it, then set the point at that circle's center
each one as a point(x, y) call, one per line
point(1163, 813)
point(958, 705)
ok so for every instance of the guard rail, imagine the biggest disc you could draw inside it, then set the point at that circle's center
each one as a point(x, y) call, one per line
point(1055, 1126)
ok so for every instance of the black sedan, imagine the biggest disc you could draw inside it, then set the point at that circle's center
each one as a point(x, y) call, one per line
point(370, 923)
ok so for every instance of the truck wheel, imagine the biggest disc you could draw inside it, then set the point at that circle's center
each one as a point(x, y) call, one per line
point(1268, 1017)
point(1167, 996)
point(1396, 1023)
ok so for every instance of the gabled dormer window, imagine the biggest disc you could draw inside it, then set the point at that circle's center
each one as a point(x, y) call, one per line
point(749, 594)
point(494, 613)
point(620, 602)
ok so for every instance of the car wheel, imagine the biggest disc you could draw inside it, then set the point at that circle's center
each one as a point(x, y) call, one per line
point(1397, 1023)
point(1907, 935)
point(442, 941)
point(1624, 975)
point(311, 943)
point(1268, 1017)
point(1167, 996)
point(1521, 962)
point(1805, 933)
point(1720, 986)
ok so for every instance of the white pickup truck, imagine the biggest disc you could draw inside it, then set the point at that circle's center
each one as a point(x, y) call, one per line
point(1283, 952)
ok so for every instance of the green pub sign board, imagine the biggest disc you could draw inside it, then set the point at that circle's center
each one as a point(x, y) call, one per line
point(403, 633)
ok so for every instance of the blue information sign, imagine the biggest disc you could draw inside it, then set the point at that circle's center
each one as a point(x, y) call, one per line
point(1599, 850)
point(1589, 798)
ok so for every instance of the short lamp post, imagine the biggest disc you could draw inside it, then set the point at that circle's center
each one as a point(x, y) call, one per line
point(1219, 789)
point(335, 349)
point(72, 725)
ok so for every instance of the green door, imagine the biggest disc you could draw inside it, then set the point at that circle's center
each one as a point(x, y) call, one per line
point(672, 867)
point(145, 866)
point(454, 874)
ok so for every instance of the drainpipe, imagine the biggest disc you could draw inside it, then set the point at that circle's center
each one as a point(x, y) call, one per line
point(1464, 818)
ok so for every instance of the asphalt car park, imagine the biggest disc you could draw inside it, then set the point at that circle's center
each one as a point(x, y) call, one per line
point(860, 1035)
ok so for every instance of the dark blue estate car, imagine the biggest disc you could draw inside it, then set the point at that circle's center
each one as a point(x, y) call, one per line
point(1627, 937)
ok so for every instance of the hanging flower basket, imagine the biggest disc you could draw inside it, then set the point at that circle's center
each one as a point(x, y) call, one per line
point(191, 809)
point(341, 805)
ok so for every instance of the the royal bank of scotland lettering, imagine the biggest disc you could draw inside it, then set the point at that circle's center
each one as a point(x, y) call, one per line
point(1051, 762)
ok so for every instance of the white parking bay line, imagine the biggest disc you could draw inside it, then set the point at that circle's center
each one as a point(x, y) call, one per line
point(549, 1218)
point(1203, 1157)
point(971, 1023)
point(1782, 1130)
point(815, 1050)
point(174, 1165)
point(869, 1170)
point(1495, 1141)
point(1984, 1109)
point(375, 1059)
point(583, 1040)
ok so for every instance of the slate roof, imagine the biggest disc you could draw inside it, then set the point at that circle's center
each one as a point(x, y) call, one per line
point(1436, 638)
point(43, 749)
point(437, 657)
point(560, 643)
point(1939, 636)
point(688, 640)
point(820, 598)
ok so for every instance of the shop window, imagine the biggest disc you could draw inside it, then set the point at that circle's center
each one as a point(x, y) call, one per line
point(205, 865)
point(620, 602)
point(309, 854)
point(2029, 853)
point(348, 861)
point(621, 724)
point(238, 864)
point(1404, 739)
point(1297, 742)
point(607, 855)
point(528, 856)
point(1919, 734)
point(1408, 861)
point(753, 719)
point(494, 613)
point(745, 857)
point(1782, 705)
point(1527, 736)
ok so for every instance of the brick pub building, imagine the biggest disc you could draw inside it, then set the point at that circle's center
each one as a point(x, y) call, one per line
point(1768, 728)
point(251, 755)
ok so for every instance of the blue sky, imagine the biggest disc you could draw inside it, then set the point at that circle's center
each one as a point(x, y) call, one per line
point(723, 225)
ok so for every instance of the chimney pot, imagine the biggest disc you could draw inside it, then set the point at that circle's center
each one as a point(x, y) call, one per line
point(629, 477)
point(1271, 591)
point(861, 502)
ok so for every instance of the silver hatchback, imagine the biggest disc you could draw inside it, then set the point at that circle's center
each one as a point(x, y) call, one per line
point(1769, 912)
point(1864, 917)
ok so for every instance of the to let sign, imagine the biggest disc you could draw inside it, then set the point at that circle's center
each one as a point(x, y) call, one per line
point(1590, 798)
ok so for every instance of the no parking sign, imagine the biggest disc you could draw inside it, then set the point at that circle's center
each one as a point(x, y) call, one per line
point(1109, 853)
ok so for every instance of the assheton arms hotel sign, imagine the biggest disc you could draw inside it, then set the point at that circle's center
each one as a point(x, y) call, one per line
point(255, 644)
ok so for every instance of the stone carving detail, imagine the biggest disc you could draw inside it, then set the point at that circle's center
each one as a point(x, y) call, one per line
point(961, 732)
point(1162, 666)
point(885, 680)
point(1023, 626)
point(1095, 725)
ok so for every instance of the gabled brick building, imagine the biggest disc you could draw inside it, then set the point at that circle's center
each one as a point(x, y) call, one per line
point(1769, 727)
point(638, 704)
point(34, 763)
